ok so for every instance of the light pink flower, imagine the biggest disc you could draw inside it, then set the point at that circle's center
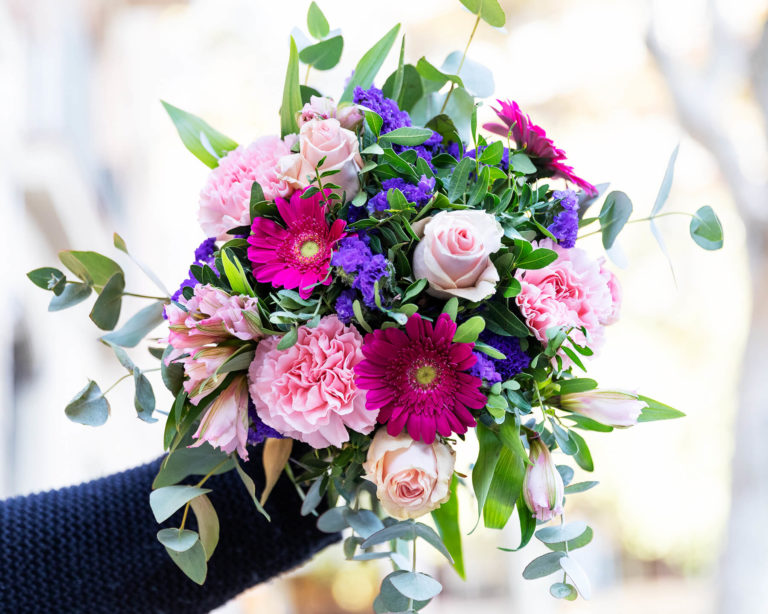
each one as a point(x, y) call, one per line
point(225, 423)
point(211, 316)
point(543, 488)
point(411, 477)
point(324, 138)
point(617, 408)
point(454, 254)
point(225, 199)
point(320, 107)
point(616, 294)
point(308, 391)
point(571, 292)
point(200, 370)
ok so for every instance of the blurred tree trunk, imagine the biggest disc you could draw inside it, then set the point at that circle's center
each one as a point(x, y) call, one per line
point(700, 96)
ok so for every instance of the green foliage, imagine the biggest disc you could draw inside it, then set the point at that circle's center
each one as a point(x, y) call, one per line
point(613, 216)
point(89, 406)
point(291, 94)
point(323, 55)
point(166, 500)
point(106, 309)
point(205, 143)
point(317, 24)
point(706, 229)
point(657, 411)
point(138, 326)
point(406, 136)
point(90, 267)
point(446, 518)
point(369, 65)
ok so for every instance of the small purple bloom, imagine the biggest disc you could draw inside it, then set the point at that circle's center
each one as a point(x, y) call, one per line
point(258, 431)
point(516, 359)
point(420, 194)
point(351, 255)
point(374, 100)
point(203, 255)
point(344, 309)
point(485, 369)
point(375, 269)
point(565, 226)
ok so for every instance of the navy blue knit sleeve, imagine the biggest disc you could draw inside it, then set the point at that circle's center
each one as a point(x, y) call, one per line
point(92, 548)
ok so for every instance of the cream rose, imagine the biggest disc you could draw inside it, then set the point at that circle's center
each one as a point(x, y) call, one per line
point(411, 477)
point(454, 254)
point(324, 138)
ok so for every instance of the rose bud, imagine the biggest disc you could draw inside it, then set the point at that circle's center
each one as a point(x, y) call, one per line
point(543, 488)
point(616, 408)
point(411, 477)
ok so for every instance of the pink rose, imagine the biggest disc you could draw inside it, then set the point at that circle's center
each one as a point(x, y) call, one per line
point(225, 198)
point(454, 254)
point(308, 391)
point(320, 107)
point(411, 477)
point(543, 488)
point(324, 138)
point(571, 292)
point(616, 408)
point(225, 423)
point(614, 286)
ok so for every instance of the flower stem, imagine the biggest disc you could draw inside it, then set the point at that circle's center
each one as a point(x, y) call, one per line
point(198, 485)
point(127, 375)
point(643, 219)
point(306, 75)
point(461, 64)
point(165, 299)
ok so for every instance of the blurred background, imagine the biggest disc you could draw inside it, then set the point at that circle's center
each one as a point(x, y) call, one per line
point(86, 150)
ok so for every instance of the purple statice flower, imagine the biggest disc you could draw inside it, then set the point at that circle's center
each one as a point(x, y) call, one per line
point(203, 255)
point(485, 369)
point(516, 359)
point(565, 226)
point(376, 268)
point(374, 100)
point(344, 305)
point(351, 255)
point(257, 430)
point(418, 194)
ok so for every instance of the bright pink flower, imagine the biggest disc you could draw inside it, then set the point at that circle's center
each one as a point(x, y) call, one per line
point(537, 145)
point(308, 392)
point(225, 199)
point(543, 487)
point(225, 423)
point(571, 292)
point(298, 256)
point(211, 316)
point(418, 378)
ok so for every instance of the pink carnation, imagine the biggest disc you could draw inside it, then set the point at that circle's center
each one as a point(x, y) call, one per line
point(211, 316)
point(308, 391)
point(571, 292)
point(225, 199)
point(616, 294)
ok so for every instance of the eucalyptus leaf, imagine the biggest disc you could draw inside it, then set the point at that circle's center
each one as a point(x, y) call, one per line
point(167, 500)
point(138, 326)
point(561, 533)
point(106, 310)
point(72, 294)
point(364, 522)
point(416, 586)
point(573, 544)
point(207, 523)
point(317, 24)
point(177, 540)
point(89, 406)
point(332, 520)
point(144, 398)
point(577, 575)
point(323, 55)
point(613, 216)
point(706, 229)
point(207, 145)
point(666, 184)
point(192, 562)
point(48, 278)
point(91, 267)
point(184, 462)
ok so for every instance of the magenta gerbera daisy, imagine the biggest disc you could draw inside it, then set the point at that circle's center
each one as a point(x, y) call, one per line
point(417, 378)
point(534, 140)
point(298, 256)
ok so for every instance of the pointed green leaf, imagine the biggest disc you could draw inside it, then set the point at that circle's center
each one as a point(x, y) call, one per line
point(505, 489)
point(192, 562)
point(317, 24)
point(235, 273)
point(323, 55)
point(369, 64)
point(91, 267)
point(666, 184)
point(406, 136)
point(657, 411)
point(446, 519)
point(613, 216)
point(207, 523)
point(291, 94)
point(138, 326)
point(706, 229)
point(106, 309)
point(205, 143)
point(487, 458)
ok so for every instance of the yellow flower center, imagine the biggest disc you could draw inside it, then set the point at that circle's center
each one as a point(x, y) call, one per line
point(309, 249)
point(426, 375)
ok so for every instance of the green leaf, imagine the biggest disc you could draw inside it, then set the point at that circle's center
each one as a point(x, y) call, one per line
point(564, 440)
point(492, 13)
point(369, 64)
point(390, 599)
point(577, 384)
point(578, 487)
point(521, 163)
point(505, 489)
point(138, 326)
point(451, 307)
point(537, 259)
point(184, 462)
point(444, 126)
point(588, 424)
point(235, 273)
point(666, 184)
point(250, 487)
point(411, 90)
point(177, 540)
point(614, 214)
point(573, 544)
point(469, 331)
point(477, 79)
point(166, 500)
point(48, 278)
point(307, 93)
point(480, 188)
point(431, 73)
point(323, 55)
point(414, 289)
point(106, 309)
point(458, 184)
point(489, 351)
point(144, 399)
point(291, 94)
point(706, 229)
point(400, 530)
point(416, 586)
point(446, 518)
point(374, 121)
point(543, 566)
point(433, 539)
point(561, 533)
point(332, 520)
point(192, 562)
point(503, 322)
point(313, 498)
point(172, 374)
point(399, 74)
point(657, 411)
point(577, 575)
point(93, 268)
point(487, 458)
point(89, 406)
point(207, 523)
point(317, 24)
point(364, 522)
point(559, 590)
point(207, 145)
point(289, 339)
point(71, 295)
point(583, 457)
point(406, 136)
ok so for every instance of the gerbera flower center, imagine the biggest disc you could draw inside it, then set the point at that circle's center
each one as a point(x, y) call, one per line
point(309, 249)
point(425, 375)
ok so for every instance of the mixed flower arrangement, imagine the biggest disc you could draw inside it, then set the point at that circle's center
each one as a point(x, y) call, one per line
point(380, 282)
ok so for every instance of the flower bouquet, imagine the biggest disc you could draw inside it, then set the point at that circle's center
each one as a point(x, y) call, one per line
point(380, 282)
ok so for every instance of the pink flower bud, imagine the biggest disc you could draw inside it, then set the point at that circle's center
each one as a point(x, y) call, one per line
point(543, 488)
point(616, 408)
point(225, 422)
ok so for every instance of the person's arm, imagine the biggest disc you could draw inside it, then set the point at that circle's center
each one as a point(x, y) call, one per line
point(93, 548)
